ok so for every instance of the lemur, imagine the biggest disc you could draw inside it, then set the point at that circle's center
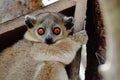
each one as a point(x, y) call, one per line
point(45, 50)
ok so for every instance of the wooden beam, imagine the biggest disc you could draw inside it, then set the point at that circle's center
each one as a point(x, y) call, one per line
point(19, 21)
point(80, 14)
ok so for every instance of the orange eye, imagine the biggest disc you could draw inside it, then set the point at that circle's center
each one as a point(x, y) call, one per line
point(41, 31)
point(56, 30)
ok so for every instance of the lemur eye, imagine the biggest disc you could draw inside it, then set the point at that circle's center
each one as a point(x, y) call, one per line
point(41, 31)
point(56, 31)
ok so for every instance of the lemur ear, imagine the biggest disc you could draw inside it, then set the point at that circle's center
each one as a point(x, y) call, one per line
point(69, 22)
point(30, 21)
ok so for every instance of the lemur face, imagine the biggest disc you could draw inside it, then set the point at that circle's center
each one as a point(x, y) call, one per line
point(48, 27)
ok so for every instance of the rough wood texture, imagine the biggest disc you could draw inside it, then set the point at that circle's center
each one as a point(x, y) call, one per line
point(111, 14)
point(10, 9)
point(18, 22)
point(80, 14)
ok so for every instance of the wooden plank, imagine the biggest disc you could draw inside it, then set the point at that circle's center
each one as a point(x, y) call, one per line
point(80, 14)
point(18, 22)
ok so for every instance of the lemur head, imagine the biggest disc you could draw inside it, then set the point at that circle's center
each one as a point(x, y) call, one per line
point(48, 27)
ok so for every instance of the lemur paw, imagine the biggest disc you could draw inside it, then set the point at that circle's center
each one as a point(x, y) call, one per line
point(80, 37)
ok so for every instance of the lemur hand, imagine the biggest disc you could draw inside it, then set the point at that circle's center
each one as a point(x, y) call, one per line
point(80, 37)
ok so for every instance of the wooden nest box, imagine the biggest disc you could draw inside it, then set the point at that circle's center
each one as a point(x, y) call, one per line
point(13, 30)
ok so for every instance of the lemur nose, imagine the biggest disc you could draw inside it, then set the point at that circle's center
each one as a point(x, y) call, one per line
point(49, 40)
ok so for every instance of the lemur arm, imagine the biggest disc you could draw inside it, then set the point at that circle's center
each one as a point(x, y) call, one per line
point(64, 50)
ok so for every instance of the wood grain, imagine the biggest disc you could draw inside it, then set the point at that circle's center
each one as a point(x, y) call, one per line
point(19, 21)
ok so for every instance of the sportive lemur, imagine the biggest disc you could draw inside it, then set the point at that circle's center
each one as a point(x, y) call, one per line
point(47, 47)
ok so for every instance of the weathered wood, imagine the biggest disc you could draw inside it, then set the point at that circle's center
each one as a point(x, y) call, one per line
point(80, 14)
point(18, 22)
